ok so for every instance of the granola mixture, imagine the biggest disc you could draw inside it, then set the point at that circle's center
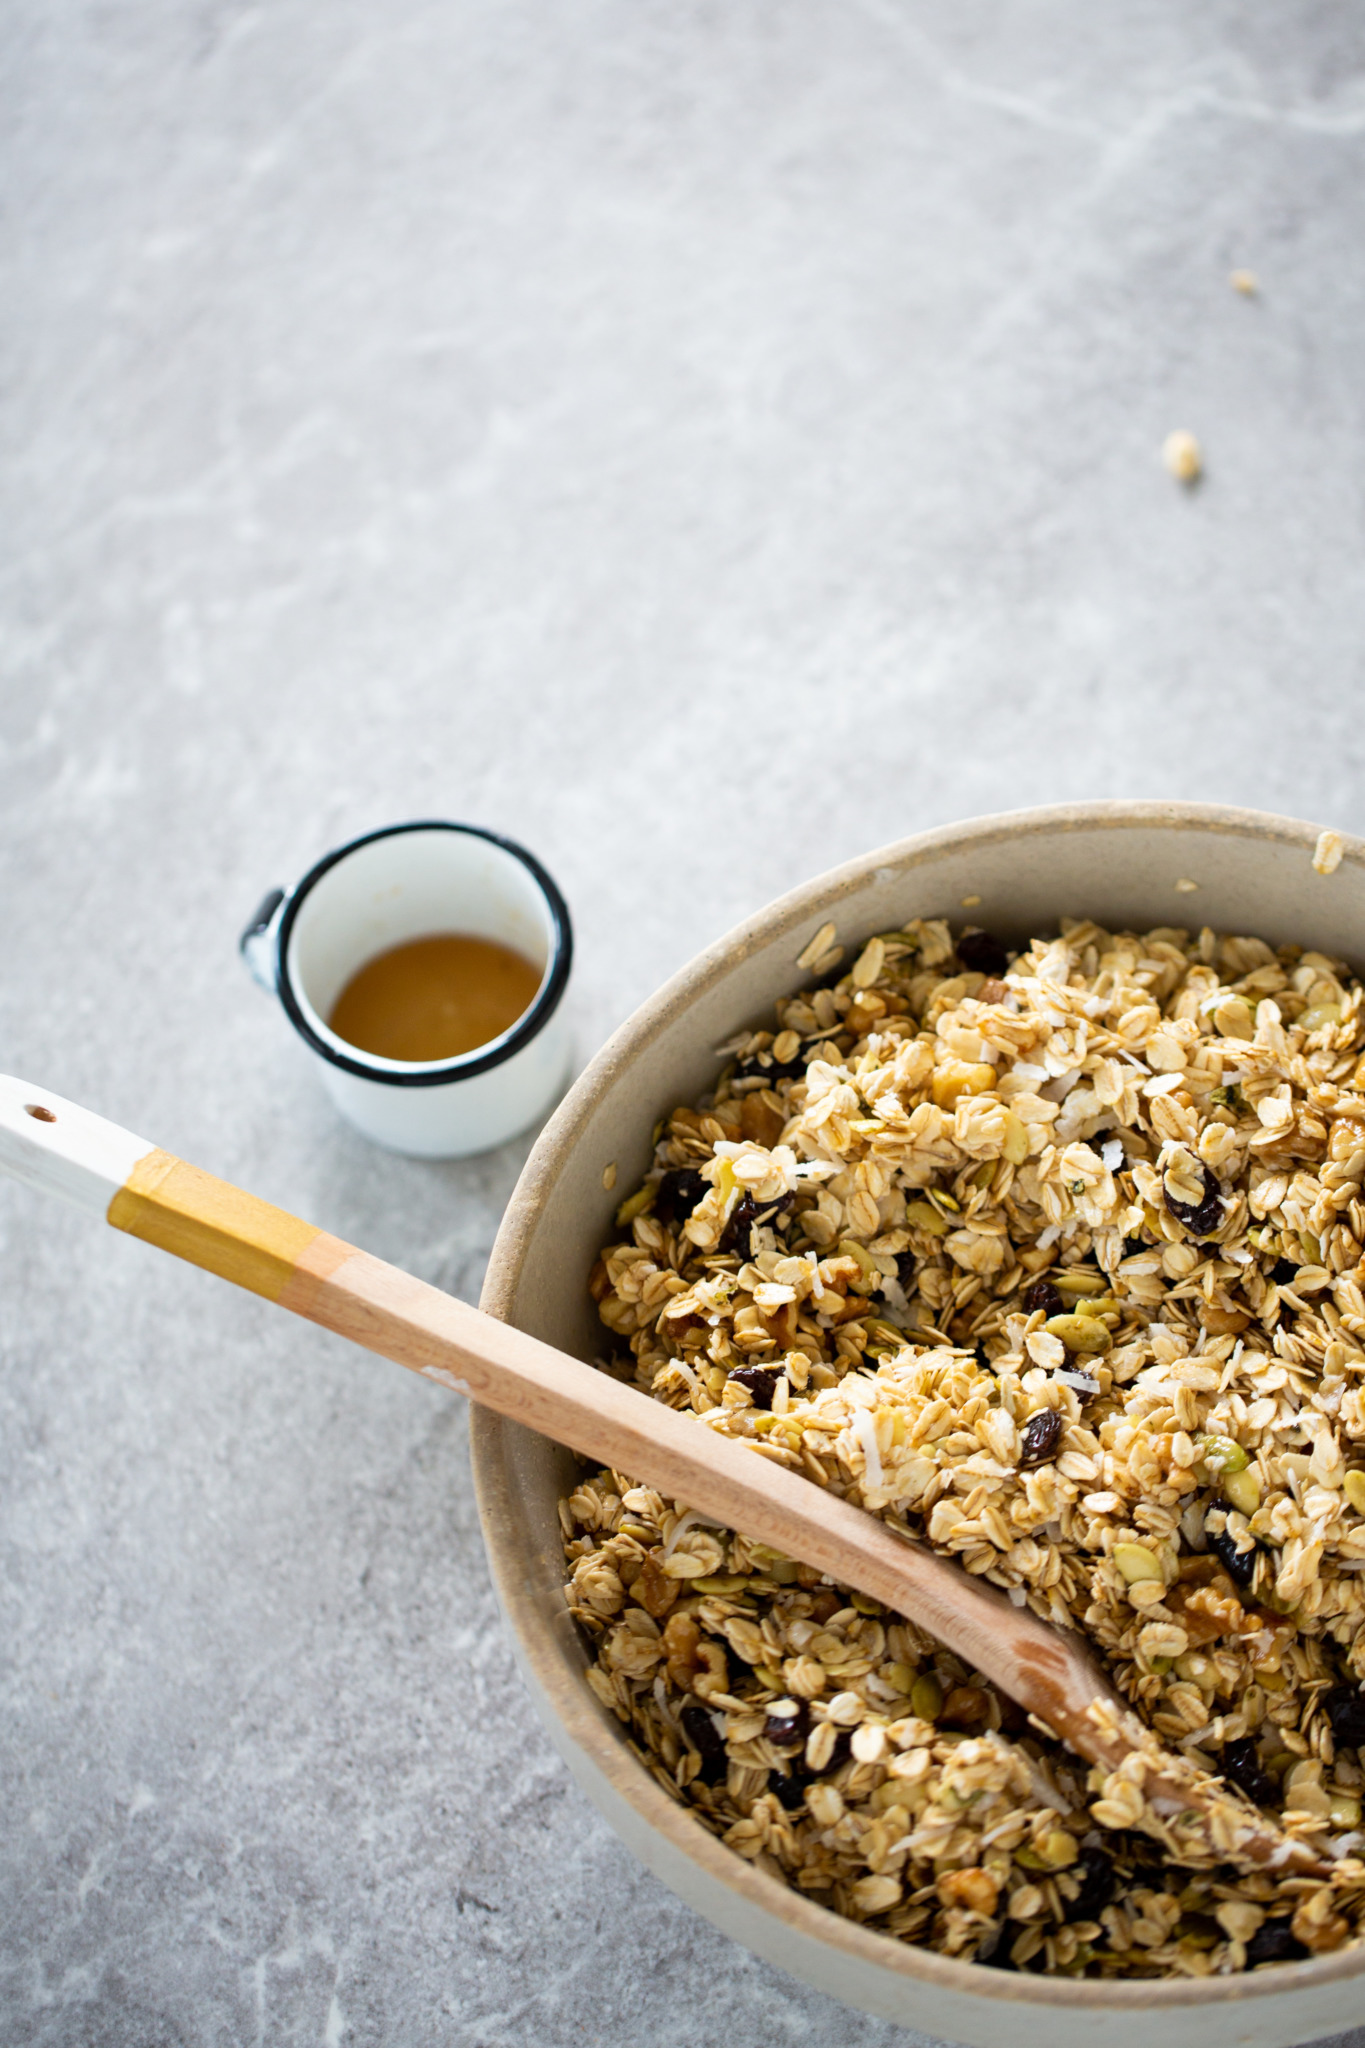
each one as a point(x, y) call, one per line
point(1057, 1262)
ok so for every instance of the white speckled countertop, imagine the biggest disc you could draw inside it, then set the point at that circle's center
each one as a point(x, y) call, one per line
point(704, 441)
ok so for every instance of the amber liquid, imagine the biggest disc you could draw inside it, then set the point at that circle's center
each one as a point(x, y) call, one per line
point(431, 999)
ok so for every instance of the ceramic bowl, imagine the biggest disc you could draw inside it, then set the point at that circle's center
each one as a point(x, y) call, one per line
point(1122, 863)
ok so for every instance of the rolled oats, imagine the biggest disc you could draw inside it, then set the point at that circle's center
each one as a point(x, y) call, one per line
point(1057, 1263)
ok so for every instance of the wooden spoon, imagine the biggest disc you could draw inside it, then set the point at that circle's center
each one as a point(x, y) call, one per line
point(52, 1144)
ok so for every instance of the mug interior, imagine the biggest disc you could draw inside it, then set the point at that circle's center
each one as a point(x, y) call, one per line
point(412, 884)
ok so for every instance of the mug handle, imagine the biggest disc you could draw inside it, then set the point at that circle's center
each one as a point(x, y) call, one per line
point(257, 943)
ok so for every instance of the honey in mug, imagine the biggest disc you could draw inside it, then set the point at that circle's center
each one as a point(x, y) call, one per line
point(434, 998)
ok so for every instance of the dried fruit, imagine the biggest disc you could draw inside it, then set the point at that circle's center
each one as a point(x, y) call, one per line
point(1042, 1295)
point(1097, 1887)
point(761, 1380)
point(1243, 1767)
point(1344, 1706)
point(788, 1721)
point(790, 1790)
point(982, 954)
point(1241, 1564)
point(706, 1739)
point(738, 1233)
point(762, 1066)
point(1042, 1434)
point(680, 1190)
point(1200, 1218)
point(1274, 1942)
point(966, 1707)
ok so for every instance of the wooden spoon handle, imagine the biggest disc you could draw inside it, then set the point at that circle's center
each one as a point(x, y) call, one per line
point(53, 1144)
point(152, 1195)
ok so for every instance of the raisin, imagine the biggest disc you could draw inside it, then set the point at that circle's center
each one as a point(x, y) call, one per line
point(1098, 1883)
point(1345, 1706)
point(709, 1744)
point(1042, 1434)
point(982, 954)
point(1284, 1272)
point(680, 1190)
point(762, 1066)
point(1043, 1295)
point(738, 1235)
point(1200, 1218)
point(1133, 1245)
point(792, 1724)
point(906, 1267)
point(761, 1380)
point(1240, 1563)
point(1243, 1767)
point(790, 1790)
point(1273, 1942)
point(840, 1754)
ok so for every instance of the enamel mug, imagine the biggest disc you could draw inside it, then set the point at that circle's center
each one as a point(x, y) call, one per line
point(409, 882)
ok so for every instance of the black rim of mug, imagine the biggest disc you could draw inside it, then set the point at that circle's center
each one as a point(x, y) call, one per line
point(465, 1065)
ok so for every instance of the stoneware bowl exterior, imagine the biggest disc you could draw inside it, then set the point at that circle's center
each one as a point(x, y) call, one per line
point(1119, 863)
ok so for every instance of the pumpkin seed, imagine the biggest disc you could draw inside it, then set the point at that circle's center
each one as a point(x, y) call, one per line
point(1136, 1563)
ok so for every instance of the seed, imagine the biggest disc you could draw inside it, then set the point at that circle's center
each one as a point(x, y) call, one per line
point(1243, 1489)
point(1242, 1764)
point(1057, 1849)
point(926, 1697)
point(1182, 456)
point(1136, 1563)
point(1320, 1015)
point(1240, 1563)
point(1042, 1295)
point(982, 954)
point(1223, 1455)
point(1345, 1709)
point(1042, 1434)
point(924, 1216)
point(1354, 1488)
point(1080, 1333)
point(679, 1193)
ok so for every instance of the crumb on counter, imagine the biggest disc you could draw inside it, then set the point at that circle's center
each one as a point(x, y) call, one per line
point(1185, 887)
point(970, 902)
point(1328, 851)
point(1246, 282)
point(609, 1176)
point(1183, 456)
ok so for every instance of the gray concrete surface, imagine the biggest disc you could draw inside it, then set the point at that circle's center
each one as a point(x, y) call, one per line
point(705, 441)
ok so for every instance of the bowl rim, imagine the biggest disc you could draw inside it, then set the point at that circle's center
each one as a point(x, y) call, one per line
point(583, 1721)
